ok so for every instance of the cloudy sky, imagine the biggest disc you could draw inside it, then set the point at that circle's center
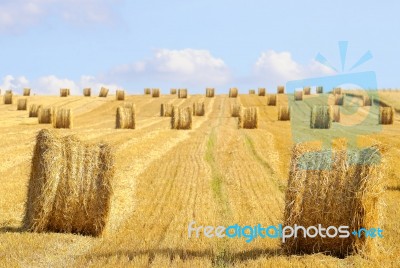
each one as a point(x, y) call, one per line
point(48, 44)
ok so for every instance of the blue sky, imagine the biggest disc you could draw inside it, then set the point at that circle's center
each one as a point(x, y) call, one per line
point(48, 44)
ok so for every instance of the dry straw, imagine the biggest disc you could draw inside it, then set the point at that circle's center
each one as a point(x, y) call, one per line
point(235, 109)
point(261, 91)
point(8, 97)
point(87, 92)
point(248, 118)
point(62, 118)
point(252, 92)
point(284, 113)
point(367, 101)
point(155, 92)
point(339, 99)
point(337, 90)
point(320, 90)
point(70, 186)
point(166, 109)
point(34, 110)
point(199, 108)
point(307, 90)
point(103, 92)
point(181, 118)
point(120, 95)
point(27, 92)
point(64, 92)
point(22, 104)
point(233, 92)
point(147, 91)
point(172, 91)
point(321, 117)
point(280, 90)
point(335, 113)
point(386, 115)
point(333, 188)
point(298, 95)
point(182, 93)
point(126, 116)
point(210, 92)
point(45, 115)
point(272, 99)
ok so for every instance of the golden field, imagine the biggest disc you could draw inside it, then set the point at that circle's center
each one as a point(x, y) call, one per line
point(214, 174)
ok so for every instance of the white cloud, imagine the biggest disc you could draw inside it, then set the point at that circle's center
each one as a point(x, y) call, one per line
point(279, 67)
point(51, 84)
point(14, 83)
point(187, 67)
point(16, 15)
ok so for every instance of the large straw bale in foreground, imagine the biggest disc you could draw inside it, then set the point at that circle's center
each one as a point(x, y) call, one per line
point(70, 186)
point(321, 116)
point(346, 194)
point(248, 118)
point(181, 118)
point(62, 118)
point(126, 116)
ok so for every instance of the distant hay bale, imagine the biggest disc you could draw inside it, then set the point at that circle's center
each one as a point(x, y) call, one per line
point(272, 99)
point(182, 93)
point(199, 108)
point(261, 91)
point(103, 92)
point(147, 91)
point(87, 92)
point(366, 100)
point(235, 109)
point(45, 115)
point(155, 92)
point(386, 115)
point(22, 104)
point(8, 97)
point(320, 90)
point(166, 109)
point(120, 95)
point(284, 113)
point(8, 91)
point(335, 113)
point(181, 118)
point(62, 118)
point(173, 91)
point(321, 117)
point(126, 116)
point(280, 90)
point(298, 95)
point(210, 92)
point(307, 90)
point(34, 110)
point(233, 92)
point(70, 186)
point(64, 92)
point(27, 92)
point(332, 188)
point(339, 99)
point(252, 92)
point(337, 90)
point(248, 118)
